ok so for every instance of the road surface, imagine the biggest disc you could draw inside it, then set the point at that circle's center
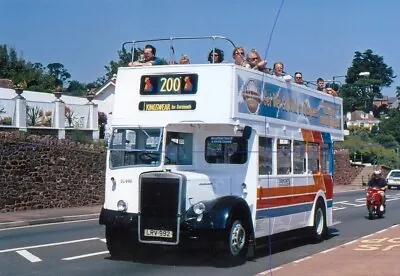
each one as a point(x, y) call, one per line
point(78, 248)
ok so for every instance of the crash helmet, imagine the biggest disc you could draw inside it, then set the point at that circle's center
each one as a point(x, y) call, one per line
point(377, 172)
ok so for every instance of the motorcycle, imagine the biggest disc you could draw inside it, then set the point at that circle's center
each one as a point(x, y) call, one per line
point(374, 203)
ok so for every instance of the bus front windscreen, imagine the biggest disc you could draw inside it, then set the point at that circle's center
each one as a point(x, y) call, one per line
point(135, 146)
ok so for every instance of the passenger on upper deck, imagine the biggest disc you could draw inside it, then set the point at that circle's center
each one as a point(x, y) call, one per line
point(239, 57)
point(254, 59)
point(328, 90)
point(184, 60)
point(216, 56)
point(278, 71)
point(298, 78)
point(149, 54)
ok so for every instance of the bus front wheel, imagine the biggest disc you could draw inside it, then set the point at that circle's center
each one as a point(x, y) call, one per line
point(118, 243)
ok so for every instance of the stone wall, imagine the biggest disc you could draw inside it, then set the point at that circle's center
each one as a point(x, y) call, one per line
point(344, 171)
point(43, 172)
point(39, 172)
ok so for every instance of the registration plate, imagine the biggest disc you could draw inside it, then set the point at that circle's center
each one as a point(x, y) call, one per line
point(158, 233)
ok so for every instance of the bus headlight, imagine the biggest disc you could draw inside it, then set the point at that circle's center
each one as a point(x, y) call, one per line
point(199, 208)
point(122, 205)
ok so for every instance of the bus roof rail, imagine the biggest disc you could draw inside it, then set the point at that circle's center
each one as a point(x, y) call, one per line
point(171, 40)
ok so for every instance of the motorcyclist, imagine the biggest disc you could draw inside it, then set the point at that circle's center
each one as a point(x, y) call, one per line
point(377, 181)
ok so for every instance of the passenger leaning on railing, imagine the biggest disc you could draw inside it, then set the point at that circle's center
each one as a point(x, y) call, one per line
point(279, 73)
point(149, 58)
point(328, 90)
point(255, 61)
point(238, 56)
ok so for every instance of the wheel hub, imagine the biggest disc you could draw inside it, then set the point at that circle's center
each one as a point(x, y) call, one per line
point(237, 239)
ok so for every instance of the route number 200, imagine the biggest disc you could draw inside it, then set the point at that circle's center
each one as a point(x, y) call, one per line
point(170, 84)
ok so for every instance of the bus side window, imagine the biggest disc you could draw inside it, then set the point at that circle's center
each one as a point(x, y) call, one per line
point(264, 156)
point(225, 150)
point(299, 157)
point(313, 157)
point(284, 153)
point(325, 152)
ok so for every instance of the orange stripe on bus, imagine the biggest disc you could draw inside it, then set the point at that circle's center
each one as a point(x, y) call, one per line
point(307, 135)
point(292, 190)
point(282, 201)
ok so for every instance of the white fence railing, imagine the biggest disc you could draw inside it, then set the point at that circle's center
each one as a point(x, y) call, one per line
point(18, 113)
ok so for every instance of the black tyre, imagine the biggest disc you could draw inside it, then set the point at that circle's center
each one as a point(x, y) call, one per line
point(371, 215)
point(118, 242)
point(319, 229)
point(237, 243)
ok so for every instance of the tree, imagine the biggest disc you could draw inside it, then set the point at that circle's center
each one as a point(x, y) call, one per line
point(35, 75)
point(390, 125)
point(59, 72)
point(359, 91)
point(124, 57)
point(76, 88)
point(398, 92)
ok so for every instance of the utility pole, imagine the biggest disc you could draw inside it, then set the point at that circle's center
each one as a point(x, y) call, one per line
point(398, 158)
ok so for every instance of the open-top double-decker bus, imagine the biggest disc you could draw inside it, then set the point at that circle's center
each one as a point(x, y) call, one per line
point(217, 153)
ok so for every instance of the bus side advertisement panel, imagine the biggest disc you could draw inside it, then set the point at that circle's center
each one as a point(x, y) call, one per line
point(267, 97)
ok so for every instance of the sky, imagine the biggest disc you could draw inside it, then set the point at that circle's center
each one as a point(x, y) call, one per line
point(316, 37)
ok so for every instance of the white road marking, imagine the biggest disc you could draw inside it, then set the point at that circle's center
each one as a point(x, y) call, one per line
point(85, 215)
point(336, 222)
point(85, 255)
point(338, 208)
point(300, 260)
point(12, 222)
point(45, 224)
point(352, 204)
point(351, 242)
point(328, 250)
point(103, 240)
point(47, 245)
point(338, 202)
point(391, 199)
point(367, 236)
point(269, 271)
point(29, 256)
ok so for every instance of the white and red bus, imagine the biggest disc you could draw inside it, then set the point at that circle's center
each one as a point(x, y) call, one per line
point(217, 153)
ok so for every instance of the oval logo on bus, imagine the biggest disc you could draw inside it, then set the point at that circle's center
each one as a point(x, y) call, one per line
point(251, 96)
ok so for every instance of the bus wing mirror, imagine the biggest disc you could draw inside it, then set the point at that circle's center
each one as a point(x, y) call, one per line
point(246, 132)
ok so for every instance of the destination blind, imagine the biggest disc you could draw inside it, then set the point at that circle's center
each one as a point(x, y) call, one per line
point(167, 106)
point(171, 84)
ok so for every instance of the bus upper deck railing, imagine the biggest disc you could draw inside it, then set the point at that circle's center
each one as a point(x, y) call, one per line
point(171, 40)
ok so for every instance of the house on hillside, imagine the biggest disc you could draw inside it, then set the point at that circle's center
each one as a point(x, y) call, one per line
point(390, 102)
point(359, 118)
point(381, 101)
point(393, 102)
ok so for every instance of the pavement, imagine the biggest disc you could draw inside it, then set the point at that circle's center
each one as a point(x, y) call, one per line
point(43, 216)
point(374, 254)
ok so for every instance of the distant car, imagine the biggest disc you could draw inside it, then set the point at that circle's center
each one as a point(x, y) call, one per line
point(393, 179)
